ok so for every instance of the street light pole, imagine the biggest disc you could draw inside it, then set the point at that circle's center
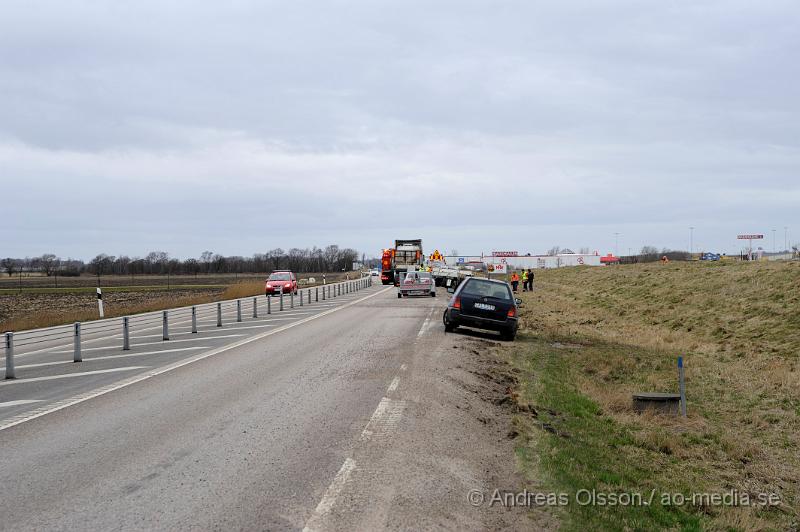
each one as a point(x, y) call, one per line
point(786, 237)
point(691, 240)
point(616, 244)
point(773, 240)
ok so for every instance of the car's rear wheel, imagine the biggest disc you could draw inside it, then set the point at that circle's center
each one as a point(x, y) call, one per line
point(448, 325)
point(508, 335)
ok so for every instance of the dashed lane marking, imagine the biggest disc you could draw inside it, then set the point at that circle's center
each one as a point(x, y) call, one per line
point(325, 505)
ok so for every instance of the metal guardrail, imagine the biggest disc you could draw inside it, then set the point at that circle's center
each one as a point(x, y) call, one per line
point(81, 332)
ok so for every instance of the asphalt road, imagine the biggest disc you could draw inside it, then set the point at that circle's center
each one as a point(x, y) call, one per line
point(243, 428)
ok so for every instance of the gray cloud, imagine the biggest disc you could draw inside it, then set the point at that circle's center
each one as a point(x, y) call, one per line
point(130, 127)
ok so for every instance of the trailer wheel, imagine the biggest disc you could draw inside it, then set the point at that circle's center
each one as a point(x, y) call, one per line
point(399, 295)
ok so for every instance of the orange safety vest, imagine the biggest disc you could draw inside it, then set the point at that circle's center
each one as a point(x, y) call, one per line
point(514, 277)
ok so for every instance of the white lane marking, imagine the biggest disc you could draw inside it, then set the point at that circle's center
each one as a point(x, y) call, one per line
point(329, 499)
point(422, 329)
point(425, 324)
point(208, 317)
point(20, 402)
point(112, 357)
point(393, 386)
point(163, 342)
point(70, 401)
point(384, 419)
point(403, 367)
point(69, 375)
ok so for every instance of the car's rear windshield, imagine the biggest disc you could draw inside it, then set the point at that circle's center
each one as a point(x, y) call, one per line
point(282, 276)
point(478, 288)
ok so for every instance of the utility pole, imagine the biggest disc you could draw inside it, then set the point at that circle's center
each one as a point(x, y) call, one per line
point(616, 244)
point(691, 240)
point(786, 237)
point(773, 240)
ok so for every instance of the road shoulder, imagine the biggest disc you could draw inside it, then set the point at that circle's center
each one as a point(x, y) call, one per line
point(439, 446)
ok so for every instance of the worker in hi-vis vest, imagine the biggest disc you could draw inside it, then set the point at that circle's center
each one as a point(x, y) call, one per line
point(514, 281)
point(524, 281)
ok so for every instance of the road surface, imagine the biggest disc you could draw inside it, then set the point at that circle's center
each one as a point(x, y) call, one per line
point(335, 419)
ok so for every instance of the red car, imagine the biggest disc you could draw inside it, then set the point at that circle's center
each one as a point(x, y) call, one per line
point(278, 280)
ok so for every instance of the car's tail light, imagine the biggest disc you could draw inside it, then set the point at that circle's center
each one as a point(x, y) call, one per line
point(457, 303)
point(512, 312)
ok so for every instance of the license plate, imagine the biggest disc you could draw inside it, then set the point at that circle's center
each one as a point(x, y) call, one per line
point(484, 306)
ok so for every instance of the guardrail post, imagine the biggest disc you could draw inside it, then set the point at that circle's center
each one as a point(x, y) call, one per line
point(309, 296)
point(269, 304)
point(10, 373)
point(291, 298)
point(300, 293)
point(219, 314)
point(165, 325)
point(255, 307)
point(126, 338)
point(76, 342)
point(281, 292)
point(323, 293)
point(194, 319)
point(238, 310)
point(316, 294)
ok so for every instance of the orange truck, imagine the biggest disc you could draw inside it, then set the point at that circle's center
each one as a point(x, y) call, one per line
point(405, 256)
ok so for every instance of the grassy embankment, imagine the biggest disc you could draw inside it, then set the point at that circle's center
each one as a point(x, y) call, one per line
point(593, 336)
point(18, 312)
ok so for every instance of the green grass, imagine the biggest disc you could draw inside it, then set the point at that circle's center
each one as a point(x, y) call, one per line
point(590, 337)
point(591, 451)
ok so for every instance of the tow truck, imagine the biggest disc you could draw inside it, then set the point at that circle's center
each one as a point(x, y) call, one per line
point(405, 256)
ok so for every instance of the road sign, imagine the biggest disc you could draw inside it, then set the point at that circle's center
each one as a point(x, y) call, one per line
point(500, 268)
point(504, 253)
point(750, 237)
point(460, 260)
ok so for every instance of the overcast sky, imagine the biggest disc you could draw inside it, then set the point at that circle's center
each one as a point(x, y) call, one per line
point(239, 126)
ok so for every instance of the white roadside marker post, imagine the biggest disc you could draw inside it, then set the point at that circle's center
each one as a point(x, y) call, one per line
point(219, 314)
point(238, 310)
point(100, 303)
point(281, 293)
point(194, 319)
point(255, 307)
point(269, 304)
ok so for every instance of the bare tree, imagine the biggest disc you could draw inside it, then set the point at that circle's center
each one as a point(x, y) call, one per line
point(9, 265)
point(648, 250)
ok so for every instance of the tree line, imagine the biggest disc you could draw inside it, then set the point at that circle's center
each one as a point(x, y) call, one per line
point(329, 259)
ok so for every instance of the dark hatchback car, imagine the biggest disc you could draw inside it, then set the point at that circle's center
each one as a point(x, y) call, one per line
point(483, 304)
